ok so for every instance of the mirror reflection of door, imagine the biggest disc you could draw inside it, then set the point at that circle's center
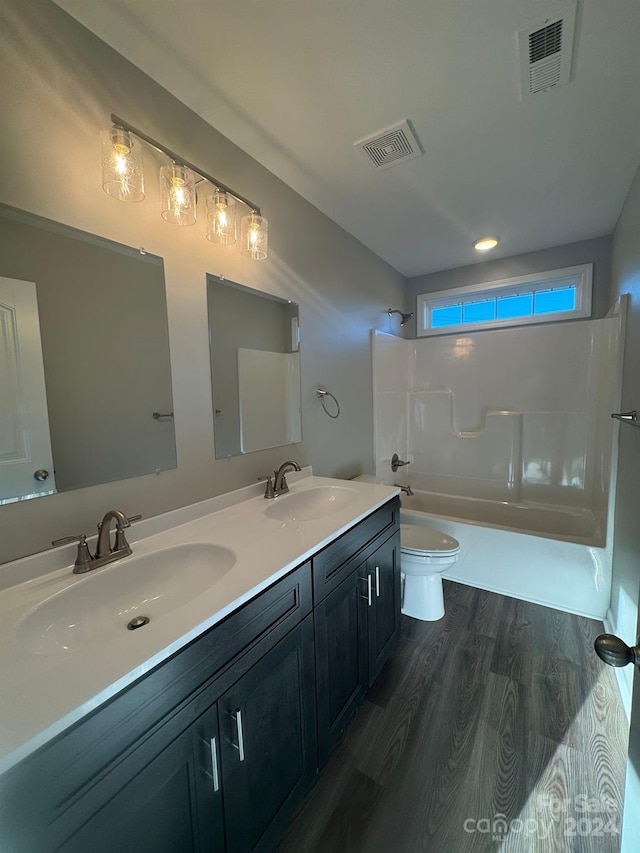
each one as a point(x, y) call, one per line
point(26, 464)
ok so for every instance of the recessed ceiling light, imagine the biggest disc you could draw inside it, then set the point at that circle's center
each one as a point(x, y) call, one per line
point(485, 244)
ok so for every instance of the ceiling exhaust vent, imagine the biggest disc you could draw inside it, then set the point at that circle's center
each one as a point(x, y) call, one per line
point(390, 146)
point(545, 52)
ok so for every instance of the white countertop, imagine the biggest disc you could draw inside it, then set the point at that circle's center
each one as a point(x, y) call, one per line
point(43, 694)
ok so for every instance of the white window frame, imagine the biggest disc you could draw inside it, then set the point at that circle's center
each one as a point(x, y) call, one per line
point(580, 277)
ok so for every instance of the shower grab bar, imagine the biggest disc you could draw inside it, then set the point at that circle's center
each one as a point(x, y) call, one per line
point(627, 417)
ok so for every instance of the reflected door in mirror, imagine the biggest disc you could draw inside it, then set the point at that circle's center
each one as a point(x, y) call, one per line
point(255, 368)
point(26, 465)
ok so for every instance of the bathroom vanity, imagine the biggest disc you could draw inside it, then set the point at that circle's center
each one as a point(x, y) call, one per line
point(213, 746)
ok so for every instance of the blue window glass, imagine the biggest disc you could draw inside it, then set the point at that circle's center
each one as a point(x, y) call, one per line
point(447, 315)
point(519, 305)
point(551, 301)
point(479, 312)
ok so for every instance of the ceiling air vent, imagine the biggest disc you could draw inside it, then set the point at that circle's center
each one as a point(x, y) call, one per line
point(545, 52)
point(390, 146)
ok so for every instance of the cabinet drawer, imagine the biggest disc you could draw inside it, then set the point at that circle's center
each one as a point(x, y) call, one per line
point(335, 562)
point(42, 789)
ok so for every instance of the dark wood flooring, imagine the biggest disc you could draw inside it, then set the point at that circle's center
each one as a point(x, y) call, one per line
point(496, 728)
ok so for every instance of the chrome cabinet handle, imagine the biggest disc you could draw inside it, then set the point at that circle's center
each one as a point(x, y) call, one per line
point(377, 581)
point(237, 717)
point(214, 764)
point(368, 596)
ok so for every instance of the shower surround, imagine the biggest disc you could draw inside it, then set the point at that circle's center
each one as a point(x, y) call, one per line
point(508, 429)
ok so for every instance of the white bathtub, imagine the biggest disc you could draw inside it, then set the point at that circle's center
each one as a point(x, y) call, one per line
point(550, 559)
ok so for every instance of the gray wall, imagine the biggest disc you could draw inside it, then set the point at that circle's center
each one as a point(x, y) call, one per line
point(626, 541)
point(61, 85)
point(596, 251)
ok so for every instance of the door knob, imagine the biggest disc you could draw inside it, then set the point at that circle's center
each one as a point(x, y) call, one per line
point(616, 652)
point(41, 474)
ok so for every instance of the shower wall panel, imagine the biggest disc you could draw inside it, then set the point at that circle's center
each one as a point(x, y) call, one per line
point(519, 415)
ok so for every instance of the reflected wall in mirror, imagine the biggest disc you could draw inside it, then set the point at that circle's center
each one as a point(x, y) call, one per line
point(84, 360)
point(255, 368)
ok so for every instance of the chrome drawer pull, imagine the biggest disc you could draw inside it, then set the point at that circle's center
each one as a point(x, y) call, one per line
point(368, 596)
point(237, 716)
point(214, 764)
point(377, 581)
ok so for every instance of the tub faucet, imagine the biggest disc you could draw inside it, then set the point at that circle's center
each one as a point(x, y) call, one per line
point(406, 489)
point(396, 463)
point(280, 486)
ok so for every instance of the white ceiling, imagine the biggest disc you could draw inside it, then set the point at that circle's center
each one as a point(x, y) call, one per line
point(296, 82)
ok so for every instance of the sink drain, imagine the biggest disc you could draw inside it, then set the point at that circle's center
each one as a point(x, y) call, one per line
point(138, 622)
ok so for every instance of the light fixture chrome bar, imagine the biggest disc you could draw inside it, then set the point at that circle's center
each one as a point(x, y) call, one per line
point(178, 159)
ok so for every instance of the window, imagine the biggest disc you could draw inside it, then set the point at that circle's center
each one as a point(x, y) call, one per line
point(546, 297)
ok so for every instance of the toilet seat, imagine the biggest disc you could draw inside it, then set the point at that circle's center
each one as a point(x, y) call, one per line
point(422, 541)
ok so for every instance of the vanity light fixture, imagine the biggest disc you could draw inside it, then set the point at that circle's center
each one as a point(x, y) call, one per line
point(178, 194)
point(485, 244)
point(122, 178)
point(221, 218)
point(254, 236)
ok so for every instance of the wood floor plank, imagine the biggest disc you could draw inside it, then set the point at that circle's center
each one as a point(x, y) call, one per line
point(495, 729)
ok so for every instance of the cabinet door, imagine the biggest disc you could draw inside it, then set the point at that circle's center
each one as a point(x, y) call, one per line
point(173, 804)
point(341, 658)
point(384, 614)
point(268, 732)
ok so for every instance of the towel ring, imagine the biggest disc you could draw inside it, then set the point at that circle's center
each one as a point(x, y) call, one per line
point(322, 394)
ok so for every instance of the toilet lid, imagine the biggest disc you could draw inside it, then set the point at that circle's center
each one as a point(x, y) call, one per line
point(415, 539)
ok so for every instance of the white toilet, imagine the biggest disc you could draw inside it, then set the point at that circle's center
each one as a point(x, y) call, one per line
point(425, 555)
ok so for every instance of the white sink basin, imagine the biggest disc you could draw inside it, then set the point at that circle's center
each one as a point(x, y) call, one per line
point(98, 607)
point(310, 504)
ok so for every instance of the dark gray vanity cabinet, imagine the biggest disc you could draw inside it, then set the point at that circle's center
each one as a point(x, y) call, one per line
point(232, 779)
point(149, 769)
point(357, 621)
point(174, 802)
point(383, 614)
point(215, 748)
point(268, 742)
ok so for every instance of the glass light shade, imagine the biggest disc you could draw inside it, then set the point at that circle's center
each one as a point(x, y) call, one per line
point(254, 236)
point(178, 194)
point(122, 176)
point(221, 218)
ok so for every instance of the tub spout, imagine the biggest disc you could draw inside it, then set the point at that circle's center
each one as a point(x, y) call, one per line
point(406, 489)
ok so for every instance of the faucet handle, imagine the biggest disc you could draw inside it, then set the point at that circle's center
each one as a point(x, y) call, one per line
point(83, 557)
point(268, 492)
point(121, 543)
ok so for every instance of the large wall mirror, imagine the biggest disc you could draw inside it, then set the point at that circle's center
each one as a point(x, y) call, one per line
point(255, 368)
point(85, 379)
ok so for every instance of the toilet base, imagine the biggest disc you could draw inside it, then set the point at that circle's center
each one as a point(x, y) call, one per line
point(422, 597)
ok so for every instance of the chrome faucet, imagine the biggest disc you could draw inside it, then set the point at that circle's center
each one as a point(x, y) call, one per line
point(103, 548)
point(279, 485)
point(85, 561)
